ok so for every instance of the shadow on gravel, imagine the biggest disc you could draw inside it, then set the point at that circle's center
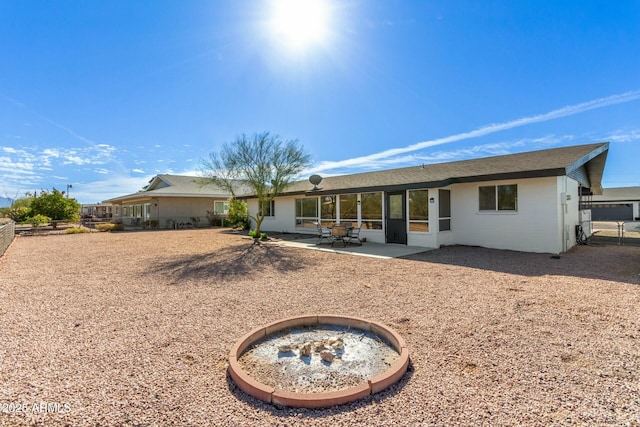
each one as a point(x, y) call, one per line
point(617, 263)
point(296, 414)
point(229, 262)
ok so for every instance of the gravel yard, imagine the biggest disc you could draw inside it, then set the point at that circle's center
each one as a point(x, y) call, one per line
point(133, 329)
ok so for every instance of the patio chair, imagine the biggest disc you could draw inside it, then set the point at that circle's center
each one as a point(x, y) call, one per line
point(323, 233)
point(354, 233)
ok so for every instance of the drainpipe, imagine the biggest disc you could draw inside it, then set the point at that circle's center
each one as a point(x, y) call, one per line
point(563, 205)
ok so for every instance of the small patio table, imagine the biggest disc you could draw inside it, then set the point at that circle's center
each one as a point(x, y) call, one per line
point(339, 233)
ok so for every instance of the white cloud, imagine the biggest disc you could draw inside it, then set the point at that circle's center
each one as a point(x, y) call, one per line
point(50, 152)
point(386, 156)
point(624, 136)
point(137, 170)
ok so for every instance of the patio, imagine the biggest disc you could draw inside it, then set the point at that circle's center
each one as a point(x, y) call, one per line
point(368, 249)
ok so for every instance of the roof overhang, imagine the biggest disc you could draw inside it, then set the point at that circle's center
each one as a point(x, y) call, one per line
point(593, 164)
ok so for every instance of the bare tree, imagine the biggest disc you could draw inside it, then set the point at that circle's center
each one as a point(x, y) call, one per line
point(262, 164)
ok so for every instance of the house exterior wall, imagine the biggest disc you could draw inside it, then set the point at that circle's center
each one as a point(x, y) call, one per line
point(544, 221)
point(169, 212)
point(284, 218)
point(536, 226)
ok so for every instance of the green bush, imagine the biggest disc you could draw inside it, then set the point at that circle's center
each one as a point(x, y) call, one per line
point(253, 233)
point(238, 216)
point(56, 206)
point(263, 236)
point(77, 230)
point(38, 220)
point(19, 214)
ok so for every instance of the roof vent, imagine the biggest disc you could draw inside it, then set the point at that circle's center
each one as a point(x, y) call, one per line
point(315, 180)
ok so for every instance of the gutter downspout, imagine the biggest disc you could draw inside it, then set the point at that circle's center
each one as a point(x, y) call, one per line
point(563, 204)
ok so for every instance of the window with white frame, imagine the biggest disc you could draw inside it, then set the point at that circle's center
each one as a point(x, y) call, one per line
point(419, 210)
point(221, 207)
point(498, 198)
point(328, 210)
point(349, 208)
point(268, 208)
point(371, 210)
point(306, 212)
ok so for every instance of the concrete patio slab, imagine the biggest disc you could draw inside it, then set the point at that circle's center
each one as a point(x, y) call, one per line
point(368, 249)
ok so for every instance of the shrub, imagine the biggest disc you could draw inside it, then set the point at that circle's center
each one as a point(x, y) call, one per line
point(110, 227)
point(253, 233)
point(263, 236)
point(238, 216)
point(19, 215)
point(38, 220)
point(76, 230)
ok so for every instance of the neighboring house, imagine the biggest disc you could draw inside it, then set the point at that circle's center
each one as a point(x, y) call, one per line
point(616, 204)
point(96, 211)
point(530, 201)
point(172, 201)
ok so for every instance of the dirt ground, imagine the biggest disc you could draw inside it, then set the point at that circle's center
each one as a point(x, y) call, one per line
point(134, 329)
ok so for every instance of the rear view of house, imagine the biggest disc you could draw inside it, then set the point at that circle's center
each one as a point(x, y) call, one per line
point(526, 202)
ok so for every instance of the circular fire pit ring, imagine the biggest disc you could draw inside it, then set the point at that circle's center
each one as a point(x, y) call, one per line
point(285, 397)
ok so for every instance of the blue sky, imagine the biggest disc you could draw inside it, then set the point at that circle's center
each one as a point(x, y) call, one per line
point(103, 95)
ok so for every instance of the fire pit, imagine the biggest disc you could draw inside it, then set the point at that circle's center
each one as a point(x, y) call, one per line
point(318, 361)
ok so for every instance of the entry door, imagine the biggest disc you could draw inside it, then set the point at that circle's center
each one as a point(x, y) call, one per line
point(396, 218)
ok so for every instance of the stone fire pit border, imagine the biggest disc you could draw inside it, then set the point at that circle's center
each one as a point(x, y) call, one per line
point(325, 399)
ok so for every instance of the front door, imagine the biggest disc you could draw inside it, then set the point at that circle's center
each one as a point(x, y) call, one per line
point(396, 229)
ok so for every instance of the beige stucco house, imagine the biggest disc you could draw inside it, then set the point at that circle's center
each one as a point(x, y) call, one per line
point(172, 201)
point(530, 202)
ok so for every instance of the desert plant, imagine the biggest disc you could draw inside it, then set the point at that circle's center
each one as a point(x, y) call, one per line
point(19, 214)
point(254, 233)
point(38, 221)
point(77, 230)
point(110, 227)
point(238, 216)
point(264, 163)
point(263, 236)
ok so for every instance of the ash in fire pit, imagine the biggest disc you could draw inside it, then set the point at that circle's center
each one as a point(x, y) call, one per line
point(318, 359)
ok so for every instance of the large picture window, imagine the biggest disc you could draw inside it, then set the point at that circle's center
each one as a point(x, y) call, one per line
point(306, 212)
point(348, 208)
point(419, 210)
point(371, 210)
point(328, 208)
point(498, 198)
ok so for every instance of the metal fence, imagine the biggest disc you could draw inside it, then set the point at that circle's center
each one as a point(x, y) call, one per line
point(7, 233)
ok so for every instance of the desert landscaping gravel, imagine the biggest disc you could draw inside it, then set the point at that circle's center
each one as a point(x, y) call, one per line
point(134, 329)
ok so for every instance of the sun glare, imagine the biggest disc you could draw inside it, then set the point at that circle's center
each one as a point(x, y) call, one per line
point(299, 24)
